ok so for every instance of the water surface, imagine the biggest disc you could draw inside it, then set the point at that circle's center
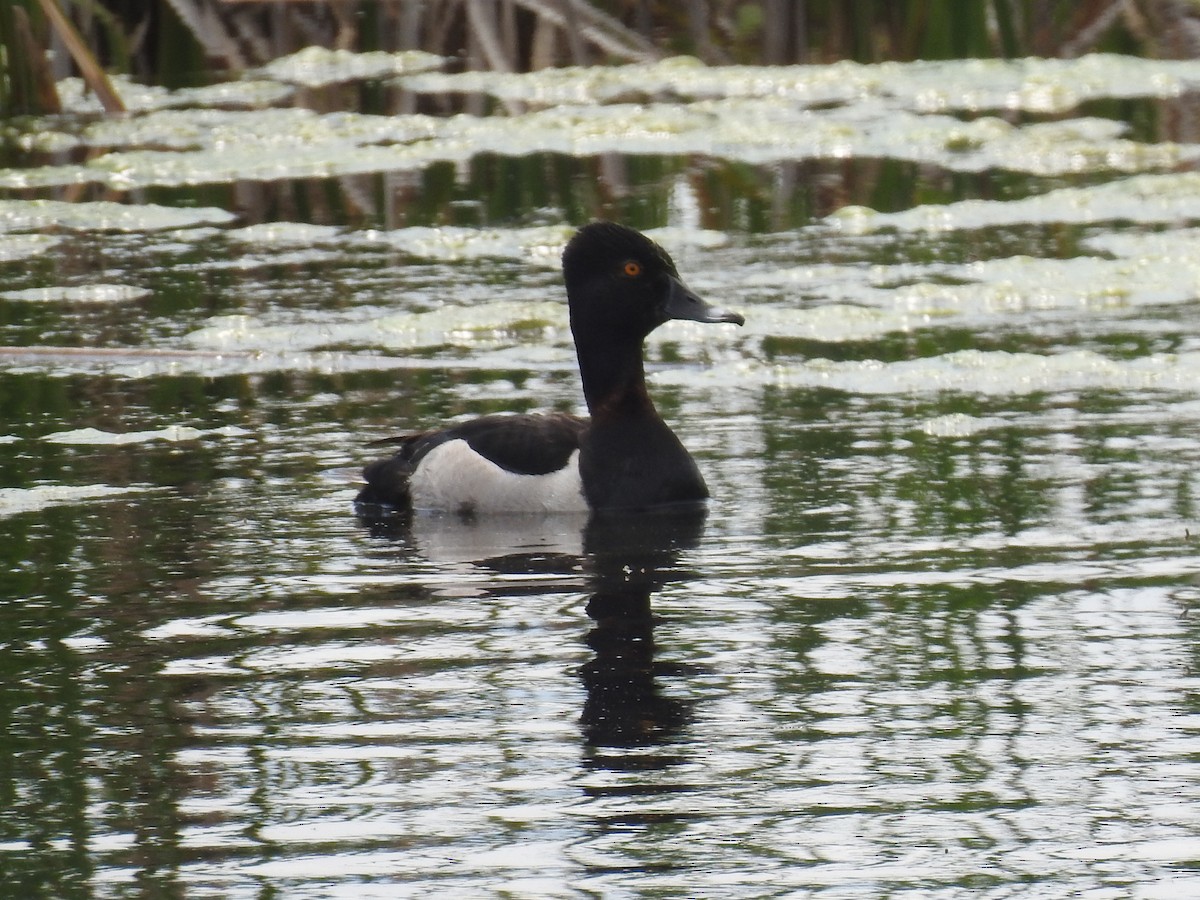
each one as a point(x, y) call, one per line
point(936, 636)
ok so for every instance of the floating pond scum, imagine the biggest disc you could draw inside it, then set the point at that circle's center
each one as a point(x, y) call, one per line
point(937, 635)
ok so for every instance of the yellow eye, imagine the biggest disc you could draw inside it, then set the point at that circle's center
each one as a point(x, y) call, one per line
point(632, 268)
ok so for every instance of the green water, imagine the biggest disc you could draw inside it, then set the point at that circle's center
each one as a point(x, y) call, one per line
point(936, 637)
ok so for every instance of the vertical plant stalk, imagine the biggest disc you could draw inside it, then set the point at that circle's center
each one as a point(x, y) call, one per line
point(93, 74)
point(585, 23)
point(1091, 32)
point(209, 26)
point(33, 81)
point(481, 16)
point(579, 53)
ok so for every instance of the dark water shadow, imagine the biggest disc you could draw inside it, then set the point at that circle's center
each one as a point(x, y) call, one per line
point(631, 558)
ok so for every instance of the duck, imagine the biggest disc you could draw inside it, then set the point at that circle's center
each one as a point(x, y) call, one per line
point(622, 456)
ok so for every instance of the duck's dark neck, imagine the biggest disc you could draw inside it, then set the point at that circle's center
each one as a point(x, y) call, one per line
point(614, 379)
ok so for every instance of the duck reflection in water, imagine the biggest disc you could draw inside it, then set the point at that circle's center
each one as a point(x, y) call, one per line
point(631, 559)
point(625, 560)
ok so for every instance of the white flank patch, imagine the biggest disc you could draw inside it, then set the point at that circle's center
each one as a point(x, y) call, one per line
point(455, 478)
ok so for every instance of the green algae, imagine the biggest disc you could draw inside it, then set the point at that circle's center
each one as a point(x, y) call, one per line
point(173, 148)
point(679, 109)
point(103, 215)
point(285, 234)
point(450, 243)
point(84, 293)
point(1038, 85)
point(317, 66)
point(24, 246)
point(1034, 85)
point(908, 112)
point(170, 433)
point(475, 327)
point(969, 372)
point(1147, 199)
point(22, 500)
point(960, 425)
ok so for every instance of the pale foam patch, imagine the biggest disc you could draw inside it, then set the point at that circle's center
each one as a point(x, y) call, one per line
point(859, 302)
point(197, 627)
point(253, 93)
point(133, 169)
point(966, 371)
point(84, 293)
point(480, 326)
point(450, 243)
point(1039, 85)
point(832, 322)
point(15, 247)
point(1176, 247)
point(21, 500)
point(171, 434)
point(1145, 199)
point(285, 234)
point(734, 133)
point(281, 256)
point(538, 245)
point(135, 363)
point(46, 141)
point(316, 66)
point(453, 477)
point(103, 215)
point(770, 123)
point(957, 425)
point(77, 97)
